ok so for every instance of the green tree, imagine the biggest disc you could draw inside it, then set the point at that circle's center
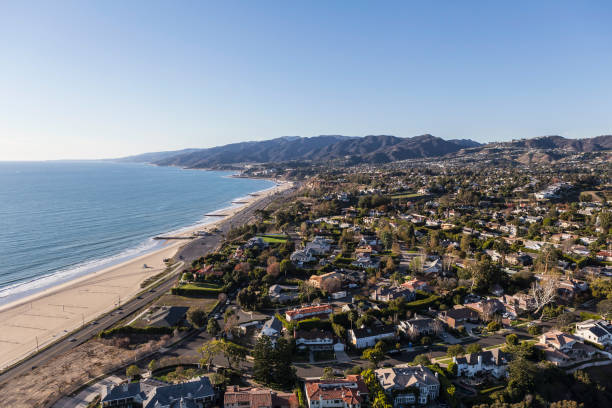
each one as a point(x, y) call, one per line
point(452, 369)
point(521, 374)
point(132, 371)
point(152, 366)
point(328, 373)
point(284, 373)
point(213, 327)
point(422, 359)
point(373, 355)
point(197, 317)
point(493, 326)
point(263, 360)
point(473, 348)
point(455, 350)
point(512, 339)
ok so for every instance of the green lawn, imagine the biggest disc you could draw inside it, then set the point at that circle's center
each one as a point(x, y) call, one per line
point(274, 239)
point(406, 195)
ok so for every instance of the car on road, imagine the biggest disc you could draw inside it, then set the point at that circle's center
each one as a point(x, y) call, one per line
point(72, 339)
point(217, 316)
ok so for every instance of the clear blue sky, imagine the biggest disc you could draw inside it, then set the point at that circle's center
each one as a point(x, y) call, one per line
point(89, 79)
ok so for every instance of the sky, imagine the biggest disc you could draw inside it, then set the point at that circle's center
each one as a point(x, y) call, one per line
point(99, 79)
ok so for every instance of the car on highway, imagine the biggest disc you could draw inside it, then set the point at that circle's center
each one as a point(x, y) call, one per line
point(72, 339)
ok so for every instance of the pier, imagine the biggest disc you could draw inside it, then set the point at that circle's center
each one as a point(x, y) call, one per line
point(159, 238)
point(215, 215)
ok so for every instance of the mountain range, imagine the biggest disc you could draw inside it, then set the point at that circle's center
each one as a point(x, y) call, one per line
point(351, 149)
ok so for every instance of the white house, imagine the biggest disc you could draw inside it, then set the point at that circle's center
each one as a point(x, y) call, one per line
point(595, 331)
point(366, 337)
point(396, 379)
point(494, 362)
point(302, 256)
point(314, 340)
point(349, 392)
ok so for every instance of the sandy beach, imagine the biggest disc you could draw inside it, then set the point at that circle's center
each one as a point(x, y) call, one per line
point(48, 315)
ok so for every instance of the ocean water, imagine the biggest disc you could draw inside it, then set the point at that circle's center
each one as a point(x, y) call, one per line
point(60, 220)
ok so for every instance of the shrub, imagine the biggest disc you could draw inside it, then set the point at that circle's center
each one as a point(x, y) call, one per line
point(534, 330)
point(493, 326)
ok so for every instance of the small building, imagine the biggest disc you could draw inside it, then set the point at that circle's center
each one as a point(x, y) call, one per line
point(368, 337)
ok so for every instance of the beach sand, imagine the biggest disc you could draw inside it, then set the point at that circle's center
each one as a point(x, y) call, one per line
point(48, 315)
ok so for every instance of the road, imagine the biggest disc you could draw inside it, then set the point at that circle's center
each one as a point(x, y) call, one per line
point(193, 250)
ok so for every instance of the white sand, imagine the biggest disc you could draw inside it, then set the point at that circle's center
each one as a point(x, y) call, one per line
point(50, 314)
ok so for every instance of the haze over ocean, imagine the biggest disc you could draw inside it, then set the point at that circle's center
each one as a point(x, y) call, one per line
point(60, 220)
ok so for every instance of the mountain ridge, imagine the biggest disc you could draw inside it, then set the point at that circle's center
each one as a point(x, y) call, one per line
point(351, 149)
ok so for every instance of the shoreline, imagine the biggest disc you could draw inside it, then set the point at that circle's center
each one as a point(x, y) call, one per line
point(40, 318)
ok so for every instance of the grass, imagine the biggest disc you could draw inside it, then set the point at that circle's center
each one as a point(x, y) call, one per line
point(207, 304)
point(274, 238)
point(406, 195)
point(491, 389)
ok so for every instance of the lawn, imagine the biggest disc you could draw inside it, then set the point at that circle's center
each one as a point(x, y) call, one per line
point(207, 304)
point(274, 239)
point(406, 195)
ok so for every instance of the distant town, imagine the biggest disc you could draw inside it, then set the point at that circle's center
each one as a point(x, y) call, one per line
point(483, 279)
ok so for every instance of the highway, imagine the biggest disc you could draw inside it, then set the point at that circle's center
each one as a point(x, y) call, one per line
point(193, 250)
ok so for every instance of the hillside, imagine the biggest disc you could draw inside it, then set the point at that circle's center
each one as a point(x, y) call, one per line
point(354, 150)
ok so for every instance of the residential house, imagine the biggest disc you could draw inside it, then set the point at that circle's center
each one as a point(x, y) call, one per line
point(368, 337)
point(320, 281)
point(272, 328)
point(302, 256)
point(595, 331)
point(457, 316)
point(154, 394)
point(314, 340)
point(403, 382)
point(308, 311)
point(420, 326)
point(389, 293)
point(165, 316)
point(415, 285)
point(487, 308)
point(563, 348)
point(349, 392)
point(255, 397)
point(494, 362)
point(366, 262)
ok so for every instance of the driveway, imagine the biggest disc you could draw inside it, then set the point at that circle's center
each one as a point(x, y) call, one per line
point(88, 394)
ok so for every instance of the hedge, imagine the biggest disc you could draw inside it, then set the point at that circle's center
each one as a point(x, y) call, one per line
point(135, 330)
point(422, 303)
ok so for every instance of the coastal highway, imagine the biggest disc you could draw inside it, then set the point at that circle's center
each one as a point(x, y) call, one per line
point(192, 250)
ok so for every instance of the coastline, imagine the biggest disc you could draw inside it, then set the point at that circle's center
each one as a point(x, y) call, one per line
point(42, 317)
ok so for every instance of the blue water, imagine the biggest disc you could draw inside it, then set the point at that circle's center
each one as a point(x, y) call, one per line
point(59, 220)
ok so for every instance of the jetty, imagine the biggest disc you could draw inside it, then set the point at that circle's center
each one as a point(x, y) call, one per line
point(215, 215)
point(167, 237)
point(240, 202)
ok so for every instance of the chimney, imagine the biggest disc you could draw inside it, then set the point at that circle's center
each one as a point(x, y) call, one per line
point(480, 360)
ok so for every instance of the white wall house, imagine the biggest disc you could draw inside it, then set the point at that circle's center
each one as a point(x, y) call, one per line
point(595, 331)
point(366, 337)
point(494, 362)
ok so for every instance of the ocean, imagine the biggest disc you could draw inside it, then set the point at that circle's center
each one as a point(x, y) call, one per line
point(61, 220)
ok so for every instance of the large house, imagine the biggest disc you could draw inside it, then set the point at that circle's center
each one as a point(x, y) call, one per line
point(314, 340)
point(153, 394)
point(494, 362)
point(458, 316)
point(387, 294)
point(349, 392)
point(309, 311)
point(253, 397)
point(403, 382)
point(595, 331)
point(420, 326)
point(368, 337)
point(563, 348)
point(302, 256)
point(320, 281)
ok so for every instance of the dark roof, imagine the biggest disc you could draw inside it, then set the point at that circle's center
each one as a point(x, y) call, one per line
point(374, 331)
point(274, 324)
point(181, 395)
point(127, 390)
point(461, 313)
point(490, 357)
point(168, 317)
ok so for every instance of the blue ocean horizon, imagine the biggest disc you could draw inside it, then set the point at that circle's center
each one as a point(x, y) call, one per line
point(61, 220)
